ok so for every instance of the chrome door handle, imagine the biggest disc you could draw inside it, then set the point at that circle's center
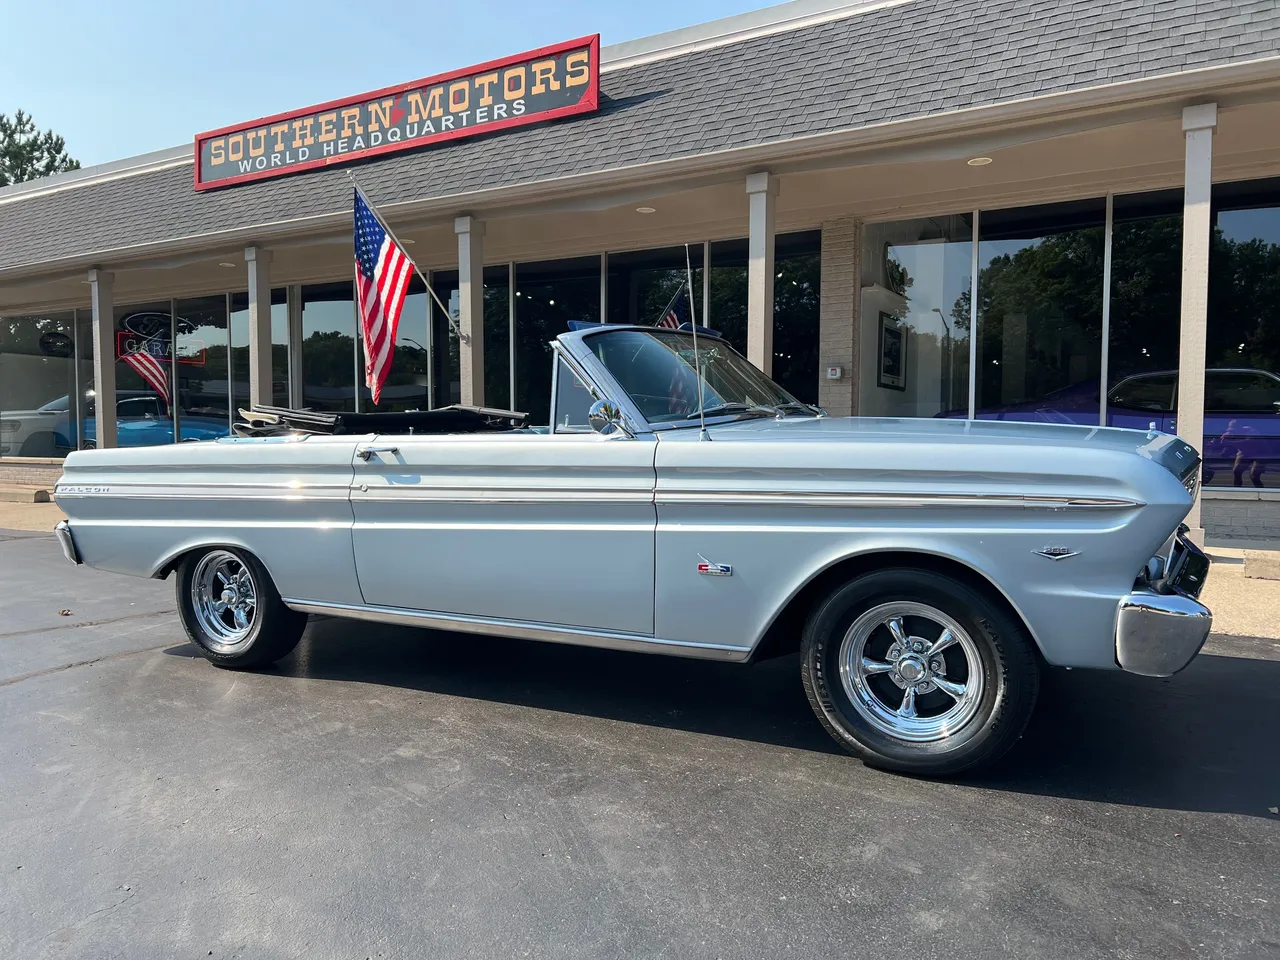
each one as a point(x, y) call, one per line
point(366, 453)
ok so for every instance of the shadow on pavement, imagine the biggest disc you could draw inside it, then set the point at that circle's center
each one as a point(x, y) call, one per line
point(1202, 740)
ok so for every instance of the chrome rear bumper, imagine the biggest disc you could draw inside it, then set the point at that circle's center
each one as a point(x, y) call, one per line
point(63, 532)
point(1161, 626)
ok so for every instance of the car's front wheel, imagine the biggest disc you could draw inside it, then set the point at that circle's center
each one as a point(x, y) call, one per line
point(232, 611)
point(918, 672)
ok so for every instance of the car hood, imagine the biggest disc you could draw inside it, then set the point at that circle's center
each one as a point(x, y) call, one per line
point(951, 444)
point(925, 430)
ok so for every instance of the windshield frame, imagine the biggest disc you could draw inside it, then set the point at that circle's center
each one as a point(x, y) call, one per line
point(578, 346)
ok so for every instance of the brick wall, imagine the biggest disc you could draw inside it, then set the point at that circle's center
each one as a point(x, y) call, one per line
point(30, 472)
point(838, 313)
point(1241, 515)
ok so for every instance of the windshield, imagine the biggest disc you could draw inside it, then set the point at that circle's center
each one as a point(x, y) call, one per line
point(656, 368)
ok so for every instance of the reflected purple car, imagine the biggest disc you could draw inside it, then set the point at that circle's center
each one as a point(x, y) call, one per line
point(1241, 418)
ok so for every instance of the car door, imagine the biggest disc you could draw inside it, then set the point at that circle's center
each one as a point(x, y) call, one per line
point(551, 528)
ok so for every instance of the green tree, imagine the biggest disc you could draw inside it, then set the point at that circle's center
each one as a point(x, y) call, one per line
point(27, 154)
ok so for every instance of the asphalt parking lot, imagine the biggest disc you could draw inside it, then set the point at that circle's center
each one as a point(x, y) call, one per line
point(395, 793)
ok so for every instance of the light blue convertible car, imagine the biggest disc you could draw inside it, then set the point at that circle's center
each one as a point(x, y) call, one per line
point(925, 571)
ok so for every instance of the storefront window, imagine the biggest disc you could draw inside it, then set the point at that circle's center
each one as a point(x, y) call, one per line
point(1040, 312)
point(1146, 309)
point(914, 349)
point(797, 273)
point(796, 291)
point(643, 284)
point(548, 295)
point(497, 337)
point(329, 347)
point(37, 385)
point(239, 365)
point(1242, 378)
point(204, 384)
point(445, 356)
point(406, 384)
point(144, 377)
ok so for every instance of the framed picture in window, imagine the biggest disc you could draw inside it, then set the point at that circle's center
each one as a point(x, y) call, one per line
point(892, 372)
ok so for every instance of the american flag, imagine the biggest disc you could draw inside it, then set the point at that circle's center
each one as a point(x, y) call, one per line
point(677, 312)
point(151, 369)
point(382, 280)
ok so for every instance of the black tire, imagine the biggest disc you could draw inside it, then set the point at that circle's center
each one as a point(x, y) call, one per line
point(272, 630)
point(994, 674)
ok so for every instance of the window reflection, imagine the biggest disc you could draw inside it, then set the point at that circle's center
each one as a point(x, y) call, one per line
point(917, 273)
point(406, 384)
point(448, 364)
point(796, 290)
point(1040, 312)
point(497, 338)
point(1242, 378)
point(548, 295)
point(1146, 309)
point(643, 283)
point(37, 385)
point(328, 347)
point(239, 353)
point(204, 396)
point(144, 377)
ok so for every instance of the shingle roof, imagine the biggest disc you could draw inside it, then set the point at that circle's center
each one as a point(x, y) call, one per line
point(898, 62)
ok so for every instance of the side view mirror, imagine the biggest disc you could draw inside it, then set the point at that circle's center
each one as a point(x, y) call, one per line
point(606, 419)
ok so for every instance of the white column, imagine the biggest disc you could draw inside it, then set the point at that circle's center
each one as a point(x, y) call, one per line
point(470, 233)
point(104, 357)
point(1198, 123)
point(762, 191)
point(259, 263)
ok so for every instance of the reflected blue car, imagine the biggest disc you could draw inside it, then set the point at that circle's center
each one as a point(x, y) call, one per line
point(143, 421)
point(1241, 419)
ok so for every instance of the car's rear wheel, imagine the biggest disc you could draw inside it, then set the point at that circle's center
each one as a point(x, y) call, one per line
point(917, 672)
point(232, 611)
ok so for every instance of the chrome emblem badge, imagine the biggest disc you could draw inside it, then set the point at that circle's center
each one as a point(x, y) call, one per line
point(709, 569)
point(1056, 553)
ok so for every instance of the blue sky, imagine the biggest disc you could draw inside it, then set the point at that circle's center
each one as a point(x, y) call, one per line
point(121, 78)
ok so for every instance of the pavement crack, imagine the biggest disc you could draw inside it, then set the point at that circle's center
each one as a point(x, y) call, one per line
point(83, 663)
point(86, 623)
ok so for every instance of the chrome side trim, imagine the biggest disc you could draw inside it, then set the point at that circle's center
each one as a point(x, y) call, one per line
point(522, 630)
point(847, 499)
point(397, 494)
point(204, 491)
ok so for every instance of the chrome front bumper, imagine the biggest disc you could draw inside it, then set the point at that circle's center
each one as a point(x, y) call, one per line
point(63, 532)
point(1161, 625)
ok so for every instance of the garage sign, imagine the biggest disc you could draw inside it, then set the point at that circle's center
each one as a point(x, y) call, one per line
point(544, 84)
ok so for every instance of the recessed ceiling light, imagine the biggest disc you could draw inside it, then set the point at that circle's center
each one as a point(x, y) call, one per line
point(229, 266)
point(979, 161)
point(408, 243)
point(646, 209)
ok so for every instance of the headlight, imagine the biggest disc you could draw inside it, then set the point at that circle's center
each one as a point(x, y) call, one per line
point(10, 426)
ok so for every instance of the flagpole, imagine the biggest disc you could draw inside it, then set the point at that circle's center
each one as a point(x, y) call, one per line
point(394, 239)
point(355, 306)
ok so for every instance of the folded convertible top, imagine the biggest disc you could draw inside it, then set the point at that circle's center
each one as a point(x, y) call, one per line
point(265, 421)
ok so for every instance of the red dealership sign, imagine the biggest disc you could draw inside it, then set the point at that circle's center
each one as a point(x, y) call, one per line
point(556, 81)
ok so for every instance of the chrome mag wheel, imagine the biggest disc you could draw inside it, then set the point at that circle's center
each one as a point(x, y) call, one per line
point(911, 671)
point(224, 599)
